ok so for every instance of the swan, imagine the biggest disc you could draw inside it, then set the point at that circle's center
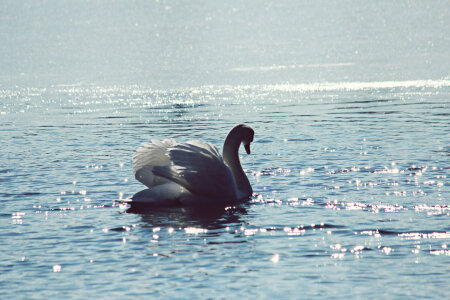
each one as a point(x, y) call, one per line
point(193, 172)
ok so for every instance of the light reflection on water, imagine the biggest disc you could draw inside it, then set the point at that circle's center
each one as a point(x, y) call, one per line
point(350, 187)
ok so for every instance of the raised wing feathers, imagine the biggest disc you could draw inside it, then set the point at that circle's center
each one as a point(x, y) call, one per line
point(148, 156)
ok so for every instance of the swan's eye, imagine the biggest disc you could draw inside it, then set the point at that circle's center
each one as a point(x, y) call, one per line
point(248, 140)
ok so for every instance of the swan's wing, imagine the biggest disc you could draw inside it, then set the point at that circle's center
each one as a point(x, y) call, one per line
point(199, 168)
point(148, 156)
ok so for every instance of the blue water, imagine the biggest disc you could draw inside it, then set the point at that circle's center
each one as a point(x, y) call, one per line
point(350, 162)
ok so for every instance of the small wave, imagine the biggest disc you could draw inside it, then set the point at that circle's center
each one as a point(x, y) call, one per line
point(426, 234)
point(289, 67)
point(352, 86)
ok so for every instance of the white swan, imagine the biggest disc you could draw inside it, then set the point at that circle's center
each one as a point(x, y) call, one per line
point(193, 172)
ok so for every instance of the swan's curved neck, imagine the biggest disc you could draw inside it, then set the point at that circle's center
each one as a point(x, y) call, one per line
point(231, 158)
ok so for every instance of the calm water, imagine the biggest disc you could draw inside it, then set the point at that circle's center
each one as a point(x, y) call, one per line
point(350, 162)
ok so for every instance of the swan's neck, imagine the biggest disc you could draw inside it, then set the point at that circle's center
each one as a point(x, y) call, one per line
point(231, 158)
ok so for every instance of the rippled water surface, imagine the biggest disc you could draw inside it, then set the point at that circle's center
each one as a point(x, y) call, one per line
point(350, 181)
point(350, 163)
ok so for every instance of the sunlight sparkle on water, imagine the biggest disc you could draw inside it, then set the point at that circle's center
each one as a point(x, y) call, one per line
point(423, 235)
point(194, 230)
point(440, 252)
point(57, 268)
point(275, 258)
point(386, 250)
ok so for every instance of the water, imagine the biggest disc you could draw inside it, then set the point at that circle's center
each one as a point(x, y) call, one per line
point(349, 165)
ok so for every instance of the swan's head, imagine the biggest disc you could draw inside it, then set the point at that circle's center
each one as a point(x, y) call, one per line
point(245, 134)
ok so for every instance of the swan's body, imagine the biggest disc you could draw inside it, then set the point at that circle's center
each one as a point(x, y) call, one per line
point(193, 172)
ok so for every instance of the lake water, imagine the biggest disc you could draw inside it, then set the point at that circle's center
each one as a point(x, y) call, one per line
point(350, 162)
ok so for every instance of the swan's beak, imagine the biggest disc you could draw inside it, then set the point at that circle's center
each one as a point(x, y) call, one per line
point(247, 148)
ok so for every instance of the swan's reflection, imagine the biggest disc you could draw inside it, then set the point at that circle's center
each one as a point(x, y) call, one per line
point(212, 217)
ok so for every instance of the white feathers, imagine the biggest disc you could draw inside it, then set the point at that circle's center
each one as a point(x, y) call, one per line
point(147, 157)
